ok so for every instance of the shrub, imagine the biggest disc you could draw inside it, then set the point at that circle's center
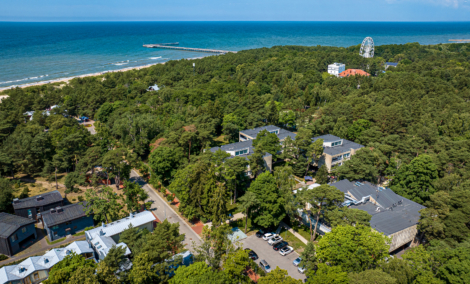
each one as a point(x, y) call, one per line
point(3, 257)
point(80, 198)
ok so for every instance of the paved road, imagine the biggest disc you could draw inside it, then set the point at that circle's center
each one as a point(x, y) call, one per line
point(273, 257)
point(162, 210)
point(40, 247)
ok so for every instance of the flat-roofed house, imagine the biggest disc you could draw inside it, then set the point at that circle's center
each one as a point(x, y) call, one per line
point(392, 214)
point(103, 238)
point(36, 269)
point(336, 150)
point(67, 220)
point(336, 68)
point(390, 64)
point(16, 233)
point(30, 207)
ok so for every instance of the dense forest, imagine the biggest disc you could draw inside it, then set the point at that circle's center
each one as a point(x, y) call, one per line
point(413, 119)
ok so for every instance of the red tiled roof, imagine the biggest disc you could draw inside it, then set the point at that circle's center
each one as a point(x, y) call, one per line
point(353, 72)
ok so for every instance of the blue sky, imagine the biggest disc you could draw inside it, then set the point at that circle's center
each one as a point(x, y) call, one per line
point(235, 10)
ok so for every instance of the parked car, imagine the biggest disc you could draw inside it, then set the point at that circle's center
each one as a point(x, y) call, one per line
point(301, 269)
point(252, 254)
point(262, 232)
point(264, 265)
point(268, 236)
point(280, 245)
point(285, 251)
point(297, 261)
point(274, 240)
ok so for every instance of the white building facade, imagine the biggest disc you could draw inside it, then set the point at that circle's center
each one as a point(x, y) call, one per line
point(336, 68)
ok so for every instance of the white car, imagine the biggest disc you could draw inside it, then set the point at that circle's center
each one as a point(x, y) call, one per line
point(274, 240)
point(268, 236)
point(301, 270)
point(286, 250)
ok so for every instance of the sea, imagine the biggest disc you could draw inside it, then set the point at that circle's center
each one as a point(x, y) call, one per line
point(32, 52)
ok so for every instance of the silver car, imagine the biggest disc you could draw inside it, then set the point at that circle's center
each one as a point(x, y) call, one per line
point(274, 240)
point(265, 265)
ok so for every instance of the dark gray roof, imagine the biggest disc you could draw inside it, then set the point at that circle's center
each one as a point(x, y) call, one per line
point(238, 146)
point(395, 212)
point(392, 64)
point(390, 221)
point(346, 146)
point(47, 198)
point(282, 132)
point(385, 197)
point(69, 213)
point(11, 223)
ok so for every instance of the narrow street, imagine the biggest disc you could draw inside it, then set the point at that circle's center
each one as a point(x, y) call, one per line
point(163, 211)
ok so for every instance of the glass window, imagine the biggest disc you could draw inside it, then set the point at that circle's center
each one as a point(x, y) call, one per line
point(24, 230)
point(14, 238)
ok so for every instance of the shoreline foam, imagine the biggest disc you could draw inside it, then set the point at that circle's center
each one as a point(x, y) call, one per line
point(67, 79)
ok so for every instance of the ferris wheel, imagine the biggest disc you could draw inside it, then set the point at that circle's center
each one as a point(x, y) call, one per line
point(367, 48)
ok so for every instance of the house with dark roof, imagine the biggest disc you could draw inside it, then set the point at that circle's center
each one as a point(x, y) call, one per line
point(390, 64)
point(67, 220)
point(32, 206)
point(336, 150)
point(16, 233)
point(392, 214)
point(250, 134)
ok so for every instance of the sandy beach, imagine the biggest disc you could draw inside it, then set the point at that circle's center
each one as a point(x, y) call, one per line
point(67, 79)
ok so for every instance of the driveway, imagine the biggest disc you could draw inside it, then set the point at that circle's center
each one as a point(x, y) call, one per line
point(163, 211)
point(273, 257)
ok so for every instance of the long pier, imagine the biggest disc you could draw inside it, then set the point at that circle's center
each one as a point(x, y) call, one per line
point(188, 48)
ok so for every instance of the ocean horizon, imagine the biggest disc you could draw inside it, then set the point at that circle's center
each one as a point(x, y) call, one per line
point(38, 51)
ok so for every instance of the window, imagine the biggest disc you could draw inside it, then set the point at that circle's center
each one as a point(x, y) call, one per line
point(14, 238)
point(241, 152)
point(74, 227)
point(335, 143)
point(55, 227)
point(274, 131)
point(36, 276)
point(56, 233)
point(24, 229)
point(346, 155)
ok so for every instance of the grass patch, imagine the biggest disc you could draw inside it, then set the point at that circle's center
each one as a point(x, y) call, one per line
point(233, 209)
point(63, 239)
point(292, 240)
point(303, 230)
point(240, 223)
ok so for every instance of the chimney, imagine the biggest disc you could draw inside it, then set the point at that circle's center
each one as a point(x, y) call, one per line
point(16, 201)
point(103, 224)
point(39, 198)
point(59, 209)
point(131, 215)
point(53, 210)
point(101, 232)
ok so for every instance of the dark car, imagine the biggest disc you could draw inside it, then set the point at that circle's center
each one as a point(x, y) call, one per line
point(252, 254)
point(280, 245)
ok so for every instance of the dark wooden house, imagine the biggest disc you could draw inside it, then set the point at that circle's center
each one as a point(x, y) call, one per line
point(31, 206)
point(16, 233)
point(68, 220)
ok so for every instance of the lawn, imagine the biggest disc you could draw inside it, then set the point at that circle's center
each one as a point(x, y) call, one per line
point(240, 223)
point(292, 240)
point(233, 209)
point(303, 230)
point(63, 239)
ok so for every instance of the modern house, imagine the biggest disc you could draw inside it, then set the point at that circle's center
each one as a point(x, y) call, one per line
point(36, 269)
point(392, 214)
point(390, 64)
point(336, 68)
point(103, 238)
point(353, 72)
point(250, 134)
point(68, 220)
point(32, 206)
point(336, 150)
point(16, 233)
point(244, 148)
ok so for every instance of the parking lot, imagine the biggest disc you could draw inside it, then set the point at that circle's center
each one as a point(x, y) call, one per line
point(266, 252)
